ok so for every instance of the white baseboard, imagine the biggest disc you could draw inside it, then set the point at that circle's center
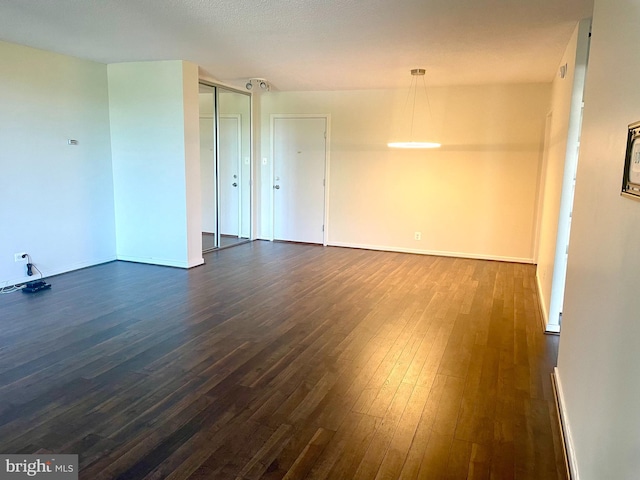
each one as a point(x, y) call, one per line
point(544, 314)
point(555, 329)
point(196, 263)
point(439, 253)
point(570, 453)
point(46, 273)
point(159, 261)
point(541, 302)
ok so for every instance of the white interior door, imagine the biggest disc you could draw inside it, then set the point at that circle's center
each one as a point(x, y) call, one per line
point(229, 172)
point(299, 158)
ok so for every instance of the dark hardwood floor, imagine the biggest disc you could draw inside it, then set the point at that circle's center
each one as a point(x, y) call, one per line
point(290, 361)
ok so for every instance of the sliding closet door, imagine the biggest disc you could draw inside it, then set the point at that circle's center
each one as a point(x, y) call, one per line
point(234, 166)
point(225, 166)
point(208, 182)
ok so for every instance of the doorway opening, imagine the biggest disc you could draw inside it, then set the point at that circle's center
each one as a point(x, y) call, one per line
point(562, 144)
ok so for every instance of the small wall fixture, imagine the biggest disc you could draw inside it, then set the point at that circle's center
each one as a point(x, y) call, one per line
point(563, 71)
point(261, 82)
point(410, 141)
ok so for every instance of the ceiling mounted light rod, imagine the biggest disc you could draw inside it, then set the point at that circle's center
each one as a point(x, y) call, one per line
point(413, 92)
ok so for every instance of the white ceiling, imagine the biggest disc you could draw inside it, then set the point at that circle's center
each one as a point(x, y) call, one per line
point(311, 44)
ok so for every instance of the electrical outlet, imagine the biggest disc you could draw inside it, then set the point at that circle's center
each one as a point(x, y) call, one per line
point(18, 257)
point(417, 235)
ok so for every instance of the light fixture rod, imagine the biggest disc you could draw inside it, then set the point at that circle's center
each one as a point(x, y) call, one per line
point(426, 94)
point(414, 84)
point(413, 90)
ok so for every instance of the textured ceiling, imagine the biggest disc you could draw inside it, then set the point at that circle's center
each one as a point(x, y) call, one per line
point(311, 44)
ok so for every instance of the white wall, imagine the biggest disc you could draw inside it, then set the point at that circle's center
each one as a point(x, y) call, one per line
point(561, 160)
point(599, 354)
point(56, 200)
point(191, 131)
point(475, 197)
point(156, 169)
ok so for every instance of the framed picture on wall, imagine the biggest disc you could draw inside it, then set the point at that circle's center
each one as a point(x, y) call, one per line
point(631, 175)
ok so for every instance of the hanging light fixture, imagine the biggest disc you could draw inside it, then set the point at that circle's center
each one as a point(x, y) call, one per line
point(411, 142)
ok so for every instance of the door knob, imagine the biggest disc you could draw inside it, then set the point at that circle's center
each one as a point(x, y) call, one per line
point(234, 184)
point(277, 187)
